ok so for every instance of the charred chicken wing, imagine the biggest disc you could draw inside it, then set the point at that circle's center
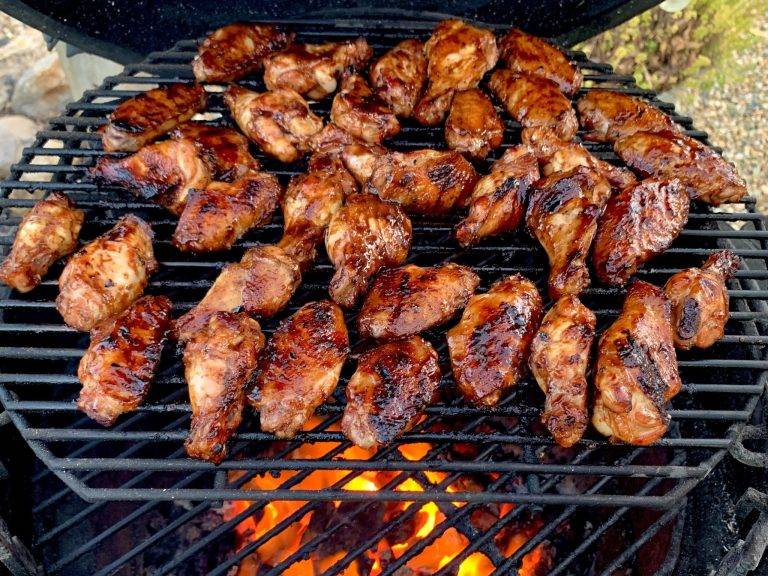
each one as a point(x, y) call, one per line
point(636, 372)
point(47, 232)
point(398, 77)
point(607, 116)
point(699, 299)
point(357, 110)
point(490, 344)
point(473, 127)
point(300, 367)
point(120, 362)
point(224, 150)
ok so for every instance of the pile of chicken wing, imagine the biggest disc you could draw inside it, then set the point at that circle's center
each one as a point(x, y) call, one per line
point(593, 219)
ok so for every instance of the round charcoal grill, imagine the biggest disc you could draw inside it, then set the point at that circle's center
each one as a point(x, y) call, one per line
point(142, 457)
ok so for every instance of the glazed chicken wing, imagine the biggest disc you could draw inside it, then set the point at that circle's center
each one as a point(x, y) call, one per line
point(224, 150)
point(163, 173)
point(143, 118)
point(120, 362)
point(46, 233)
point(219, 360)
point(498, 201)
point(358, 157)
point(364, 236)
point(639, 222)
point(389, 391)
point(535, 101)
point(411, 299)
point(107, 275)
point(314, 70)
point(522, 52)
point(237, 50)
point(636, 372)
point(607, 116)
point(699, 299)
point(559, 360)
point(300, 367)
point(473, 127)
point(399, 75)
point(215, 218)
point(563, 214)
point(704, 174)
point(490, 344)
point(357, 110)
point(426, 182)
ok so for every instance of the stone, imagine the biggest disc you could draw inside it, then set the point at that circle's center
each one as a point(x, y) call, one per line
point(42, 90)
point(16, 132)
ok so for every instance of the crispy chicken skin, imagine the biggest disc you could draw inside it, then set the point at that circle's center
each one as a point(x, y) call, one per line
point(364, 236)
point(121, 359)
point(151, 114)
point(556, 155)
point(699, 299)
point(224, 150)
point(314, 70)
point(46, 233)
point(389, 391)
point(606, 116)
point(358, 157)
point(399, 75)
point(490, 344)
point(215, 218)
point(458, 56)
point(237, 50)
point(411, 299)
point(534, 101)
point(704, 174)
point(261, 284)
point(219, 360)
point(559, 360)
point(107, 275)
point(473, 127)
point(563, 213)
point(639, 223)
point(163, 173)
point(636, 372)
point(359, 111)
point(522, 52)
point(300, 367)
point(425, 182)
point(498, 200)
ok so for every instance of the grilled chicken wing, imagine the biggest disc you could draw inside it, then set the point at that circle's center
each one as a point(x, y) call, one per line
point(279, 121)
point(522, 52)
point(261, 284)
point(535, 101)
point(704, 174)
point(219, 360)
point(224, 150)
point(607, 116)
point(556, 155)
point(107, 275)
point(639, 222)
point(559, 360)
point(426, 182)
point(358, 157)
point(699, 299)
point(390, 389)
point(399, 75)
point(215, 218)
point(163, 173)
point(237, 50)
point(47, 232)
point(498, 201)
point(143, 118)
point(563, 214)
point(314, 69)
point(364, 236)
point(300, 367)
point(473, 127)
point(490, 344)
point(121, 360)
point(360, 112)
point(410, 299)
point(458, 56)
point(636, 372)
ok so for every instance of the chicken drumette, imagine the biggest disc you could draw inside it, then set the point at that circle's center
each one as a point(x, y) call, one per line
point(607, 116)
point(473, 127)
point(399, 75)
point(224, 150)
point(358, 157)
point(360, 112)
